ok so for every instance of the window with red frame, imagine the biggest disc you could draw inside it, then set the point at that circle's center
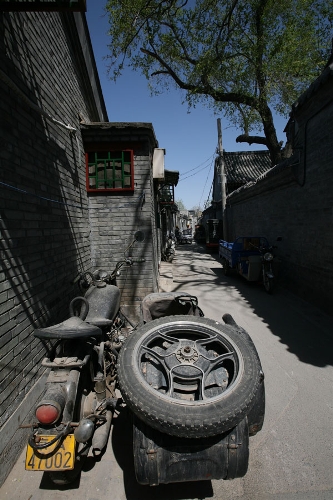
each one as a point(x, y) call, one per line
point(110, 171)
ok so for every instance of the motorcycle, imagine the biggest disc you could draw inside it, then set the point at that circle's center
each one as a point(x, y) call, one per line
point(169, 248)
point(267, 261)
point(194, 387)
point(75, 414)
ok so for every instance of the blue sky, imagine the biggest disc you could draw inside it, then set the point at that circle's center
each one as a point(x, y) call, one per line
point(190, 138)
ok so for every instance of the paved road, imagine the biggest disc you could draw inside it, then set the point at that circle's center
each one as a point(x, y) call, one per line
point(291, 458)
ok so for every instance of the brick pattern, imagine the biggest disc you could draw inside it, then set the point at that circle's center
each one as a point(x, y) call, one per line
point(44, 208)
point(296, 204)
point(115, 217)
point(50, 228)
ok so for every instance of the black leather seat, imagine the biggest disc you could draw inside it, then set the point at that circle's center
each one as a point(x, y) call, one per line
point(72, 328)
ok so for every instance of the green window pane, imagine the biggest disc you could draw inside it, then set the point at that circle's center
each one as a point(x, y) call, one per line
point(110, 170)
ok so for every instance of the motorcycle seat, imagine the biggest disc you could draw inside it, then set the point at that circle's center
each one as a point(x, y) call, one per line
point(72, 328)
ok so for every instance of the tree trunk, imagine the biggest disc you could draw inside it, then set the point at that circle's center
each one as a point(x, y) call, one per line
point(273, 145)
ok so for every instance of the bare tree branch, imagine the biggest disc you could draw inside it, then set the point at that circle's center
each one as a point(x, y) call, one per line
point(206, 88)
point(226, 22)
point(181, 43)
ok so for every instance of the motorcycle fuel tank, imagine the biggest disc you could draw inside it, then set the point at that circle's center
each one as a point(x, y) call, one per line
point(104, 303)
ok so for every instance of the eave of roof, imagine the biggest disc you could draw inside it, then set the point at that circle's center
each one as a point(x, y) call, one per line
point(117, 125)
point(171, 176)
point(140, 127)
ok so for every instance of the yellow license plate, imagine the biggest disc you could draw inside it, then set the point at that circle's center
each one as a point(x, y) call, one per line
point(56, 457)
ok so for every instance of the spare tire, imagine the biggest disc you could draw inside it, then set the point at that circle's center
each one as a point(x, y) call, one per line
point(189, 376)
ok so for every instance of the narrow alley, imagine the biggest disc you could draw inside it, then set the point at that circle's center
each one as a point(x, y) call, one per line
point(291, 458)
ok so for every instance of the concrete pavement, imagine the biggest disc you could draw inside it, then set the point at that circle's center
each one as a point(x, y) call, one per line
point(291, 458)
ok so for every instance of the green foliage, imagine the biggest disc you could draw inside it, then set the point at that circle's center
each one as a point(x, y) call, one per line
point(245, 57)
point(180, 205)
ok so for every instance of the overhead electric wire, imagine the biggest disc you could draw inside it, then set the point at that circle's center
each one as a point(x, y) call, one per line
point(206, 181)
point(198, 171)
point(192, 175)
point(195, 168)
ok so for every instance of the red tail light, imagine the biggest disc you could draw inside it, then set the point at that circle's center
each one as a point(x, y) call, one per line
point(47, 414)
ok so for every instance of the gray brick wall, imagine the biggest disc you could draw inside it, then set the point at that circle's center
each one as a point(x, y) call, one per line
point(296, 203)
point(44, 222)
point(50, 228)
point(114, 217)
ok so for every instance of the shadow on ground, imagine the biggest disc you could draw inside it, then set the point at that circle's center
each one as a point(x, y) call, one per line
point(304, 329)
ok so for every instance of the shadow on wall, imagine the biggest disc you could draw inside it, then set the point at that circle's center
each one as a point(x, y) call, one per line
point(41, 213)
point(115, 219)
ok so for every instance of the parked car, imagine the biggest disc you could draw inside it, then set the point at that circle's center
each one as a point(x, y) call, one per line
point(185, 236)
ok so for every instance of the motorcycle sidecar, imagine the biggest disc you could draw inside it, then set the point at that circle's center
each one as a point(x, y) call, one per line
point(196, 391)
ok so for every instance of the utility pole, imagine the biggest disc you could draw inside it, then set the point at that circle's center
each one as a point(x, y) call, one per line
point(223, 179)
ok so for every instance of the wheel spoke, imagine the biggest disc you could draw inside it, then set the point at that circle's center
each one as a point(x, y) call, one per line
point(176, 382)
point(172, 340)
point(206, 340)
point(222, 357)
point(159, 356)
point(219, 361)
point(230, 355)
point(199, 378)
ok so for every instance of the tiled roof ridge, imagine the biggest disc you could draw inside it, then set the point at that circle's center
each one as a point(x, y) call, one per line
point(239, 153)
point(283, 165)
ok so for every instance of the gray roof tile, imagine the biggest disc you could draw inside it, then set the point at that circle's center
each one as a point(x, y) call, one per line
point(246, 166)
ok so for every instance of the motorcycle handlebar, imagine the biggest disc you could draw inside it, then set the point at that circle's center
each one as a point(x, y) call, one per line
point(129, 261)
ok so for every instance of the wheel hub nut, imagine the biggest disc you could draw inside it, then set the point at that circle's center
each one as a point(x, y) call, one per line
point(187, 354)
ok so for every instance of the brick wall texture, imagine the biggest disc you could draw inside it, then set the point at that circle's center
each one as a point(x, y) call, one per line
point(49, 227)
point(115, 218)
point(296, 203)
point(44, 208)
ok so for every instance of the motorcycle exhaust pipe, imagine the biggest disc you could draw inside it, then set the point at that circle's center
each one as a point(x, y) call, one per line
point(101, 435)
